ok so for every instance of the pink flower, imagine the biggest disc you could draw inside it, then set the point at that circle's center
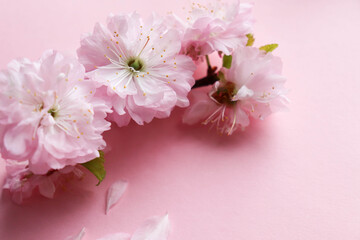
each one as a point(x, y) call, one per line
point(21, 182)
point(252, 87)
point(48, 114)
point(214, 27)
point(139, 67)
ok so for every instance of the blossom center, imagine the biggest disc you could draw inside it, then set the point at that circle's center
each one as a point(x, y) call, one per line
point(135, 64)
point(54, 111)
point(225, 93)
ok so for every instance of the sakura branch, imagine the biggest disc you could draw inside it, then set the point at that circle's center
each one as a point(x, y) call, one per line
point(53, 111)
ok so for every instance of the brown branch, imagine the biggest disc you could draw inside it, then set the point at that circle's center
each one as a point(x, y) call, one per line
point(206, 81)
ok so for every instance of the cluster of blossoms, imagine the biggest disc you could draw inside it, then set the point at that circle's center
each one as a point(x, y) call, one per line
point(54, 111)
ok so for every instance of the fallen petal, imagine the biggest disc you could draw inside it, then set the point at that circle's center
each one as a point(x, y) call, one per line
point(79, 236)
point(116, 190)
point(155, 228)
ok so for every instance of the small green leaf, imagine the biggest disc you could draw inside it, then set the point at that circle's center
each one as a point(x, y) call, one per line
point(227, 59)
point(269, 47)
point(251, 39)
point(96, 167)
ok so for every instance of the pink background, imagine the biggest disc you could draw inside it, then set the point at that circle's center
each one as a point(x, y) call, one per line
point(295, 175)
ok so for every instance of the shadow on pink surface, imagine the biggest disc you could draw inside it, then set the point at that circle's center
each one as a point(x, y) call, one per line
point(134, 151)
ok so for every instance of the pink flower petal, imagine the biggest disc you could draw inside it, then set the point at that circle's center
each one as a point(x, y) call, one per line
point(114, 194)
point(155, 228)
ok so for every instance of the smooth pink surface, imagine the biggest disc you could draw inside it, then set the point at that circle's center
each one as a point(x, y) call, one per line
point(292, 176)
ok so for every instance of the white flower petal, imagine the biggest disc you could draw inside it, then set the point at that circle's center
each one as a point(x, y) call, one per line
point(155, 228)
point(116, 190)
point(243, 93)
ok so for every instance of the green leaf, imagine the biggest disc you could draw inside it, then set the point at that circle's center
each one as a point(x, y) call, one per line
point(96, 167)
point(269, 47)
point(227, 59)
point(251, 39)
